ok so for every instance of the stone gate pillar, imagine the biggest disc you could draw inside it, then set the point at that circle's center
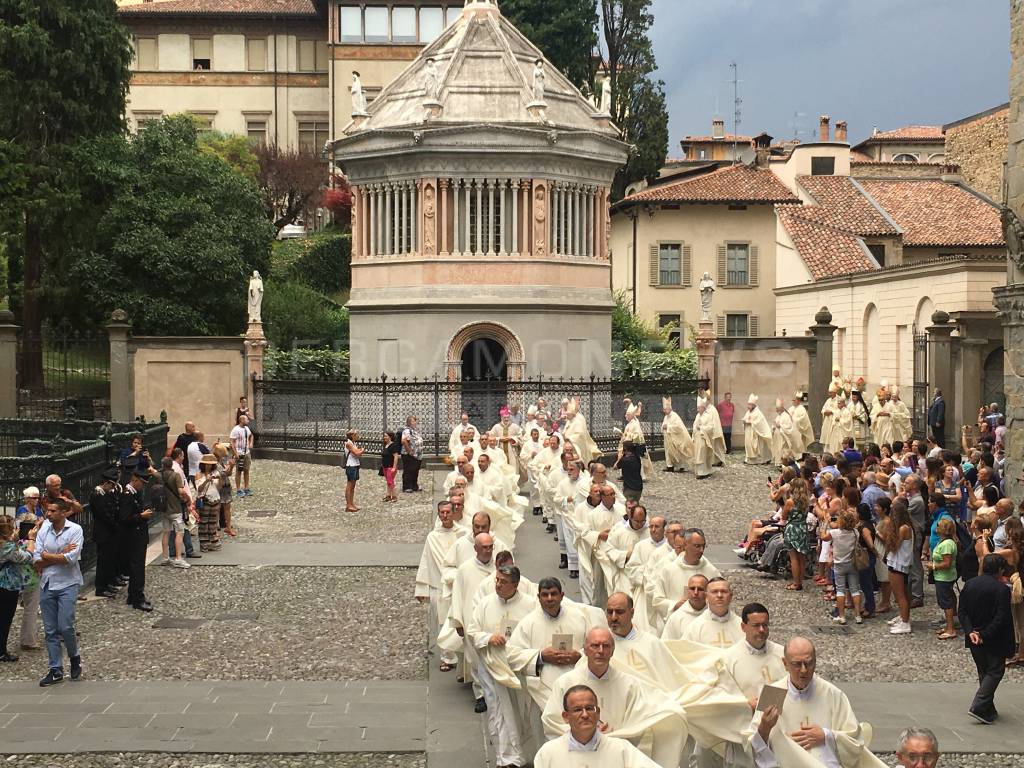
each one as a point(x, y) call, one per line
point(941, 373)
point(821, 366)
point(8, 366)
point(121, 401)
point(707, 353)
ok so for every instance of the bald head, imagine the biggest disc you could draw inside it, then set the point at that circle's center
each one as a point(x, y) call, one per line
point(483, 543)
point(801, 659)
point(481, 523)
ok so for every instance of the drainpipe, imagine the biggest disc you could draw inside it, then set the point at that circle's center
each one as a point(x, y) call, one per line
point(634, 217)
point(277, 111)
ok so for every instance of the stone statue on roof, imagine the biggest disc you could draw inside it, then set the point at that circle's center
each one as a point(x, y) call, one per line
point(606, 96)
point(539, 81)
point(433, 81)
point(358, 97)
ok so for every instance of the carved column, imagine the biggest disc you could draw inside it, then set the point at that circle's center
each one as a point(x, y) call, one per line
point(372, 226)
point(414, 221)
point(514, 190)
point(467, 245)
point(502, 218)
point(443, 195)
point(388, 228)
point(491, 184)
point(455, 216)
point(540, 207)
point(428, 226)
point(357, 243)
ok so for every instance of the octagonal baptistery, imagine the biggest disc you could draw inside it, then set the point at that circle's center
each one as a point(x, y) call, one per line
point(481, 181)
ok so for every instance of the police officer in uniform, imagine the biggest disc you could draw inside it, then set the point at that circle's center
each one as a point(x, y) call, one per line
point(134, 518)
point(105, 503)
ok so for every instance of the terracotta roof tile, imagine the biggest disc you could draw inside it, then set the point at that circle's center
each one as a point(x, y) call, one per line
point(732, 184)
point(728, 138)
point(262, 8)
point(846, 207)
point(827, 250)
point(910, 133)
point(936, 213)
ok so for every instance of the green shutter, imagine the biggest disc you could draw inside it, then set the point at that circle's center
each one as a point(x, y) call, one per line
point(655, 264)
point(753, 326)
point(721, 326)
point(753, 267)
point(686, 267)
point(722, 276)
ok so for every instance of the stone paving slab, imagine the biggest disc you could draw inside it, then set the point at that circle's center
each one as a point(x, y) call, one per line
point(291, 554)
point(213, 716)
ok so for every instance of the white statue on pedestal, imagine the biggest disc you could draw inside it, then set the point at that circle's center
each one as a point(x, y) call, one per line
point(255, 298)
point(539, 81)
point(707, 288)
point(358, 97)
point(606, 96)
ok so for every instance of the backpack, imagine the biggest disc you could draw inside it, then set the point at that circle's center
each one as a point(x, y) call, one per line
point(964, 545)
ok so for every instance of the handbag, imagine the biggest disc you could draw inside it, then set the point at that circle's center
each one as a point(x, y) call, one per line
point(861, 559)
point(1016, 590)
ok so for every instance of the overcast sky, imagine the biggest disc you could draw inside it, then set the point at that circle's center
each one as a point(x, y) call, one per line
point(869, 62)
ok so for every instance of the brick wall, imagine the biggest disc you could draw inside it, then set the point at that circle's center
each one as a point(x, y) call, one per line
point(979, 148)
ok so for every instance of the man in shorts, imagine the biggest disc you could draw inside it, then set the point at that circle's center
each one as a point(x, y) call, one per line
point(242, 441)
point(176, 501)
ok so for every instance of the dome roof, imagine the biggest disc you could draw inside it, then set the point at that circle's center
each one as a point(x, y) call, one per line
point(481, 70)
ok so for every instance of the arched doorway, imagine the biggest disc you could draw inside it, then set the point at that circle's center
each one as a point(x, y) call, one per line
point(484, 359)
point(992, 380)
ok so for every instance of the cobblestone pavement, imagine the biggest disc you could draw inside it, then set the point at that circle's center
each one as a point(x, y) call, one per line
point(260, 624)
point(309, 502)
point(153, 760)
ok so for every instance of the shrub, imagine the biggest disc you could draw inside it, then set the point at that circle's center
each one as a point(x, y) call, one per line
point(322, 261)
point(295, 313)
point(644, 364)
point(324, 364)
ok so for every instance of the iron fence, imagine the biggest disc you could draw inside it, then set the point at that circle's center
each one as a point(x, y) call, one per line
point(919, 413)
point(78, 451)
point(314, 416)
point(64, 371)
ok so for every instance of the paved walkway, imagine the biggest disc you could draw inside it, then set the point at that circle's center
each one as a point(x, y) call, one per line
point(290, 554)
point(211, 716)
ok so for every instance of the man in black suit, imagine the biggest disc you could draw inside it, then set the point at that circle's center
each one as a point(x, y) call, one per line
point(937, 418)
point(988, 629)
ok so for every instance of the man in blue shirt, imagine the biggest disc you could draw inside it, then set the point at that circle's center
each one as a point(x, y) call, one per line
point(850, 453)
point(56, 553)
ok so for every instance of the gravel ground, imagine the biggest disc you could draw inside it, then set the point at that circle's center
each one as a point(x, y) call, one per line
point(954, 760)
point(309, 500)
point(151, 760)
point(298, 635)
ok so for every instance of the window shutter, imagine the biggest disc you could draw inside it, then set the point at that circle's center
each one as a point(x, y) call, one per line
point(753, 267)
point(721, 326)
point(722, 276)
point(753, 326)
point(655, 275)
point(686, 279)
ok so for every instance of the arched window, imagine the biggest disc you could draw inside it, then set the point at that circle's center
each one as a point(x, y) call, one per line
point(904, 157)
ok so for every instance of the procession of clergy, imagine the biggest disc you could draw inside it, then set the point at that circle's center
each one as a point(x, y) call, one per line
point(652, 667)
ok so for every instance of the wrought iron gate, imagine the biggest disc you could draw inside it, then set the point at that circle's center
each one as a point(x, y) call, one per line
point(919, 415)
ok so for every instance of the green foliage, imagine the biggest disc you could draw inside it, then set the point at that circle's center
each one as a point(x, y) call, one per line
point(638, 100)
point(628, 330)
point(294, 313)
point(322, 261)
point(566, 31)
point(645, 364)
point(233, 149)
point(181, 233)
point(325, 364)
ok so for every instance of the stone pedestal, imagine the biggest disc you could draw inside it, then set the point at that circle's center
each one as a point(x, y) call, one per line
point(706, 342)
point(941, 371)
point(255, 345)
point(8, 366)
point(821, 366)
point(121, 401)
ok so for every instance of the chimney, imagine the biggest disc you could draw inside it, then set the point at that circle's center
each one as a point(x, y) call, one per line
point(841, 131)
point(823, 128)
point(718, 128)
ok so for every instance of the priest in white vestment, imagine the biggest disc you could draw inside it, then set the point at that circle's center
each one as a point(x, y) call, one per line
point(755, 660)
point(882, 425)
point(464, 585)
point(591, 545)
point(842, 426)
point(452, 477)
point(576, 432)
point(636, 570)
point(674, 574)
point(631, 710)
point(575, 483)
point(718, 626)
point(816, 727)
point(828, 414)
point(901, 420)
point(549, 459)
point(717, 436)
point(580, 515)
point(716, 711)
point(494, 619)
point(532, 445)
point(802, 422)
point(456, 443)
point(704, 456)
point(695, 604)
point(584, 746)
point(429, 583)
point(678, 443)
point(785, 436)
point(757, 435)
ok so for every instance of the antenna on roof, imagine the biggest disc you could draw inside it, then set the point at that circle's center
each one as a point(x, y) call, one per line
point(797, 124)
point(737, 113)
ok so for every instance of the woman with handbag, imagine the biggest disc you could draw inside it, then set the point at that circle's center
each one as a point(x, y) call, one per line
point(389, 465)
point(208, 482)
point(13, 557)
point(842, 532)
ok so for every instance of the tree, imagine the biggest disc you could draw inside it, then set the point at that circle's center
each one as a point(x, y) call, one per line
point(63, 79)
point(292, 183)
point(565, 31)
point(638, 101)
point(179, 237)
point(233, 149)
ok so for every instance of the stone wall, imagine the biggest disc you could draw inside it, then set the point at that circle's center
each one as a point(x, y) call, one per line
point(979, 147)
point(862, 170)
